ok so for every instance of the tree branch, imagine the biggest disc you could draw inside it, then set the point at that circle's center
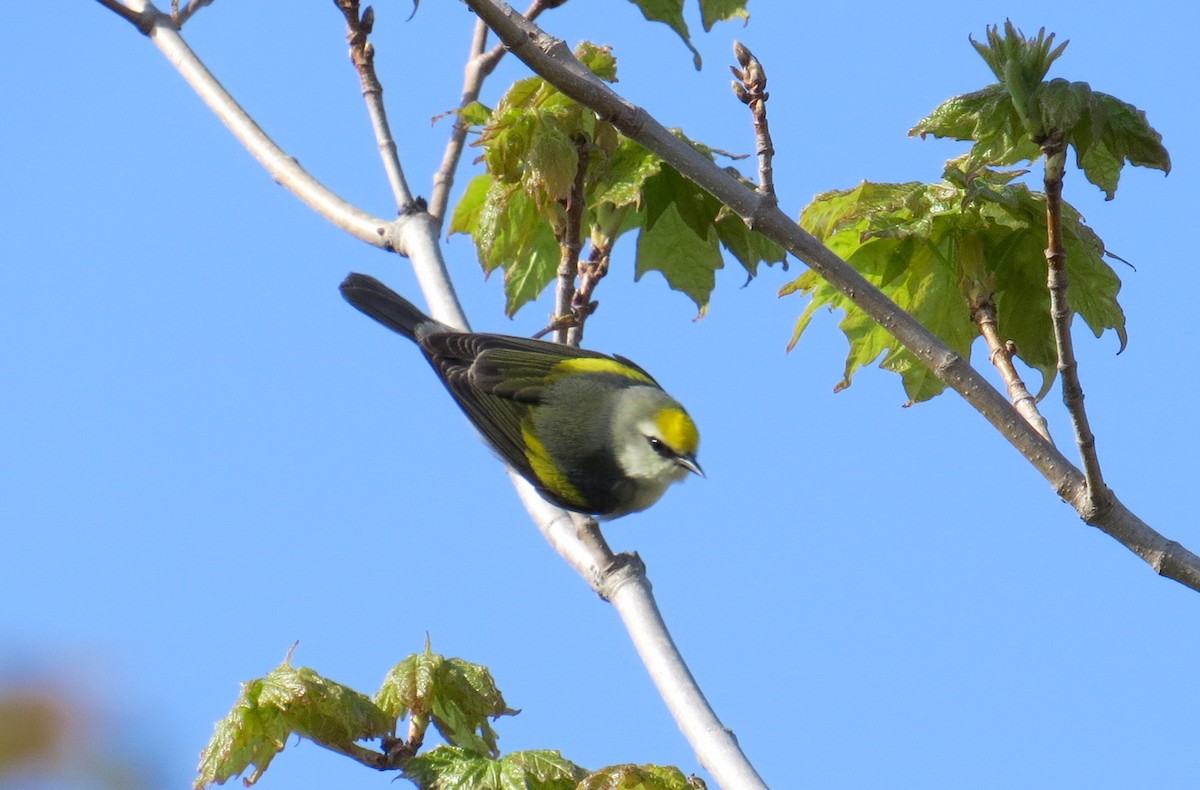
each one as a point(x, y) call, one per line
point(181, 16)
point(1055, 152)
point(983, 313)
point(571, 331)
point(415, 233)
point(552, 60)
point(362, 55)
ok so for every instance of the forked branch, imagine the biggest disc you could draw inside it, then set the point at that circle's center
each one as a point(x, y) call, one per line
point(1001, 353)
point(552, 60)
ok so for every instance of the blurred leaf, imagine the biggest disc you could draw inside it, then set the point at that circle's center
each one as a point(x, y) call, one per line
point(288, 700)
point(34, 730)
point(458, 696)
point(453, 768)
point(935, 248)
point(638, 777)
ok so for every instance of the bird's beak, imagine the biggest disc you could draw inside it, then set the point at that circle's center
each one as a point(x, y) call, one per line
point(688, 462)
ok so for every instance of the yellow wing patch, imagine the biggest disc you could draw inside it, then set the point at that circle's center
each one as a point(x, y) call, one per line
point(550, 476)
point(601, 365)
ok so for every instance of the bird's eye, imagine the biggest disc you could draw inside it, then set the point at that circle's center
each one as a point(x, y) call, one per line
point(660, 447)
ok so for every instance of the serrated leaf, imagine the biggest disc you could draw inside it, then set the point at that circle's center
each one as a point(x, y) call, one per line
point(670, 13)
point(598, 59)
point(289, 700)
point(452, 768)
point(475, 114)
point(514, 214)
point(1110, 133)
point(550, 163)
point(637, 777)
point(714, 11)
point(1010, 120)
point(986, 117)
point(458, 696)
point(676, 239)
point(624, 175)
point(748, 247)
point(934, 248)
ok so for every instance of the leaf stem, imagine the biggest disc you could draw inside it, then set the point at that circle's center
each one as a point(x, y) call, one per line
point(1097, 494)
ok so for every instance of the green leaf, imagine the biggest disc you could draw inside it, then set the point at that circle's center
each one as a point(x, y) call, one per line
point(514, 213)
point(989, 119)
point(638, 777)
point(1009, 121)
point(598, 59)
point(475, 114)
point(677, 238)
point(936, 249)
point(287, 701)
point(452, 768)
point(714, 11)
point(1109, 133)
point(619, 180)
point(670, 13)
point(458, 696)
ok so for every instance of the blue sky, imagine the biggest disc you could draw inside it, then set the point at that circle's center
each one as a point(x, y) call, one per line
point(209, 456)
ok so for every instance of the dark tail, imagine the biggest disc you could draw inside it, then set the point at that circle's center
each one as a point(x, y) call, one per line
point(389, 308)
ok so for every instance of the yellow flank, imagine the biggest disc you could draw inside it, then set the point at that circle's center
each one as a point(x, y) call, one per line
point(601, 365)
point(678, 430)
point(550, 476)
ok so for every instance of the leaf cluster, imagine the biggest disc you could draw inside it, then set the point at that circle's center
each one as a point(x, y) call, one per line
point(288, 700)
point(942, 250)
point(458, 697)
point(1022, 115)
point(949, 252)
point(534, 142)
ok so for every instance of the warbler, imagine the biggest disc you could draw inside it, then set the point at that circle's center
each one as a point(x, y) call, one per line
point(593, 433)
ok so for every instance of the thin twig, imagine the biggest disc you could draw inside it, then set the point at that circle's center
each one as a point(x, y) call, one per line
point(362, 55)
point(591, 272)
point(1060, 314)
point(479, 65)
point(1001, 354)
point(569, 245)
point(751, 90)
point(182, 16)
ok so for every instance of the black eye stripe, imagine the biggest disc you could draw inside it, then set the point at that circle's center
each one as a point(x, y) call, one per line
point(661, 447)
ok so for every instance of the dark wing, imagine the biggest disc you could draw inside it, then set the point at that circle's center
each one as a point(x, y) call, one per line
point(496, 380)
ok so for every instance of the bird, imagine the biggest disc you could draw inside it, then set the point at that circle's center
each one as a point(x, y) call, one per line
point(593, 433)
